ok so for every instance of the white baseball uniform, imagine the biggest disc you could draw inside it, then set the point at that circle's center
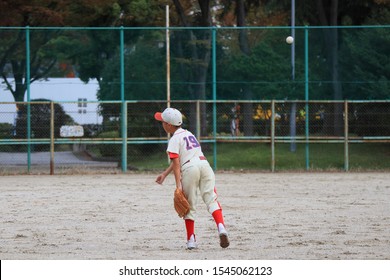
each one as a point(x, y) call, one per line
point(197, 176)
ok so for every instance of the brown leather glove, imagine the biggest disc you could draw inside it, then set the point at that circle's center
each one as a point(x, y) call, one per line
point(180, 203)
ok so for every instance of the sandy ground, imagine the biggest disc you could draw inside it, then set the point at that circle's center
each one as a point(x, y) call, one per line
point(128, 216)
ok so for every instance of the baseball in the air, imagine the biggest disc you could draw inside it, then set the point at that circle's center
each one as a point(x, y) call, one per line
point(289, 40)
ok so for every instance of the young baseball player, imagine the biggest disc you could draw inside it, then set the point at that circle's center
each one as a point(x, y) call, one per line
point(193, 174)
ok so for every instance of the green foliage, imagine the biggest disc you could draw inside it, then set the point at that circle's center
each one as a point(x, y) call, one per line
point(115, 150)
point(366, 63)
point(94, 52)
point(267, 70)
point(257, 156)
point(146, 11)
point(5, 130)
point(110, 150)
point(40, 112)
point(145, 74)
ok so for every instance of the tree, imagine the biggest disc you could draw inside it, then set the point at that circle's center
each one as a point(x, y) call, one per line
point(48, 46)
point(92, 50)
point(144, 77)
point(245, 13)
point(40, 119)
point(365, 59)
point(27, 13)
point(192, 50)
point(265, 69)
point(337, 13)
point(366, 69)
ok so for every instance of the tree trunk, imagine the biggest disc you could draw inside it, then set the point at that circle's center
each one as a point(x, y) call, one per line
point(332, 46)
point(247, 92)
point(337, 90)
point(18, 69)
point(200, 61)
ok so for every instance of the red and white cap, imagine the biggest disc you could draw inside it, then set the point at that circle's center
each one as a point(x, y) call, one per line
point(171, 116)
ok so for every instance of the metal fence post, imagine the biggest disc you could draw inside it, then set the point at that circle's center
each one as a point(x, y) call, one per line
point(214, 67)
point(28, 99)
point(124, 104)
point(307, 95)
point(273, 135)
point(51, 138)
point(198, 119)
point(346, 129)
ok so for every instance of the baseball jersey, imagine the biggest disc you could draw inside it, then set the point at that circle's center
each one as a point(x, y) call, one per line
point(185, 144)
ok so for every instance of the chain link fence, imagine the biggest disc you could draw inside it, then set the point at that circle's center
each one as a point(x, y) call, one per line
point(247, 135)
point(80, 99)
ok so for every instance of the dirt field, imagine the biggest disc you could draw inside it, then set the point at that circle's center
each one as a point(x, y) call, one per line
point(128, 216)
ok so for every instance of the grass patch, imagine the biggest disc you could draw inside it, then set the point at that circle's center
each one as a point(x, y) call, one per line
point(257, 156)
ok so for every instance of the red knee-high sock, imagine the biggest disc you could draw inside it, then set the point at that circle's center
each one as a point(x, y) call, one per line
point(190, 227)
point(218, 217)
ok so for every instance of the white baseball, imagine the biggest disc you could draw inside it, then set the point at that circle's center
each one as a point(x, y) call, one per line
point(289, 40)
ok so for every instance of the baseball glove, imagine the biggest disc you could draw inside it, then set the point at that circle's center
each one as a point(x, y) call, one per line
point(180, 203)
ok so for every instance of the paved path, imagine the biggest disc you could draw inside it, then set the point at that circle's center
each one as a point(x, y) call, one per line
point(43, 158)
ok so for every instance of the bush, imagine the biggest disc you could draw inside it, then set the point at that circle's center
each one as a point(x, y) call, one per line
point(40, 116)
point(5, 130)
point(110, 150)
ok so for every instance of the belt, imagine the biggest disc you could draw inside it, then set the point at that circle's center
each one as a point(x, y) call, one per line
point(201, 158)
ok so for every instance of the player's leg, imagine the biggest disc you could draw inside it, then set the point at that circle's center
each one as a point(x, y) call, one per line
point(210, 198)
point(190, 228)
point(189, 178)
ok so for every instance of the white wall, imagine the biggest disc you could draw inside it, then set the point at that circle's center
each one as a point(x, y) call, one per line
point(57, 89)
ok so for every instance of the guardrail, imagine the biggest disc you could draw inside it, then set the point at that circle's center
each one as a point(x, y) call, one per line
point(212, 121)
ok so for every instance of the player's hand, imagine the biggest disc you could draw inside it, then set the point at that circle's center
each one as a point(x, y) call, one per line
point(160, 178)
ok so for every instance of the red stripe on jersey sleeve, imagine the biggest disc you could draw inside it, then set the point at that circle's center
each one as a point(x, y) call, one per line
point(173, 155)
